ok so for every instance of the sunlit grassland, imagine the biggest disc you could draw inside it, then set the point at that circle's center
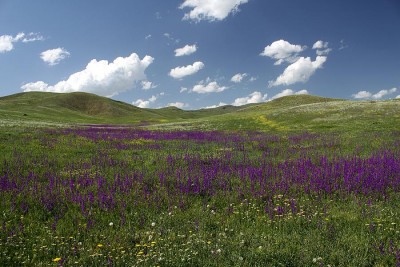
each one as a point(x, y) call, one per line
point(288, 114)
point(292, 115)
point(131, 197)
point(298, 181)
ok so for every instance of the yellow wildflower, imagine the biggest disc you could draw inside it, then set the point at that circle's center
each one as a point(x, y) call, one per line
point(99, 245)
point(56, 259)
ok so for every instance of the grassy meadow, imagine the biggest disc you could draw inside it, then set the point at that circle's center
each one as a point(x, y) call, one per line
point(299, 181)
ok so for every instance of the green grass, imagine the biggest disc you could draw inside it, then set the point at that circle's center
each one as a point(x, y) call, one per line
point(222, 230)
point(165, 229)
point(300, 113)
point(89, 108)
point(71, 108)
point(283, 115)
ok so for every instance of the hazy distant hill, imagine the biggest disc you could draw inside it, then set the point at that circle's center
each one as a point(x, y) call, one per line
point(291, 113)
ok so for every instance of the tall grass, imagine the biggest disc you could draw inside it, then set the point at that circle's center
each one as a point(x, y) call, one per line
point(106, 196)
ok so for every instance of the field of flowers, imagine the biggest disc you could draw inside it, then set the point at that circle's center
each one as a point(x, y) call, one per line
point(107, 196)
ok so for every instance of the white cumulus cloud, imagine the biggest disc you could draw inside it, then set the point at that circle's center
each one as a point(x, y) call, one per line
point(383, 93)
point(32, 37)
point(255, 97)
point(186, 50)
point(320, 45)
point(299, 71)
point(210, 10)
point(36, 86)
point(282, 51)
point(178, 105)
point(100, 77)
point(301, 92)
point(378, 95)
point(216, 106)
point(180, 72)
point(288, 92)
point(7, 41)
point(362, 94)
point(237, 78)
point(147, 85)
point(141, 103)
point(208, 87)
point(54, 56)
point(322, 48)
point(144, 103)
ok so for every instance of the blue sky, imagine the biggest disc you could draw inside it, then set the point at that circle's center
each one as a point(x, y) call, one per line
point(201, 53)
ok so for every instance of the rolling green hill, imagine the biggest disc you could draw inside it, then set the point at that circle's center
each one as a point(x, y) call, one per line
point(71, 108)
point(286, 114)
point(301, 113)
point(82, 107)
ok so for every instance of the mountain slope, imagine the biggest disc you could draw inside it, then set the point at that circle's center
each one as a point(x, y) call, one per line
point(79, 107)
point(292, 113)
point(72, 107)
point(301, 113)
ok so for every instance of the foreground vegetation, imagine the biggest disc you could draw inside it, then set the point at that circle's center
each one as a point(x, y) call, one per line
point(106, 196)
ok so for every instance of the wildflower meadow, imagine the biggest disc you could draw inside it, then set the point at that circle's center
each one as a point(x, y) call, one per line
point(125, 196)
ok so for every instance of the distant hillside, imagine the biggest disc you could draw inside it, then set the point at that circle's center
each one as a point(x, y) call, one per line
point(292, 113)
point(301, 113)
point(313, 113)
point(72, 107)
point(176, 113)
point(79, 107)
